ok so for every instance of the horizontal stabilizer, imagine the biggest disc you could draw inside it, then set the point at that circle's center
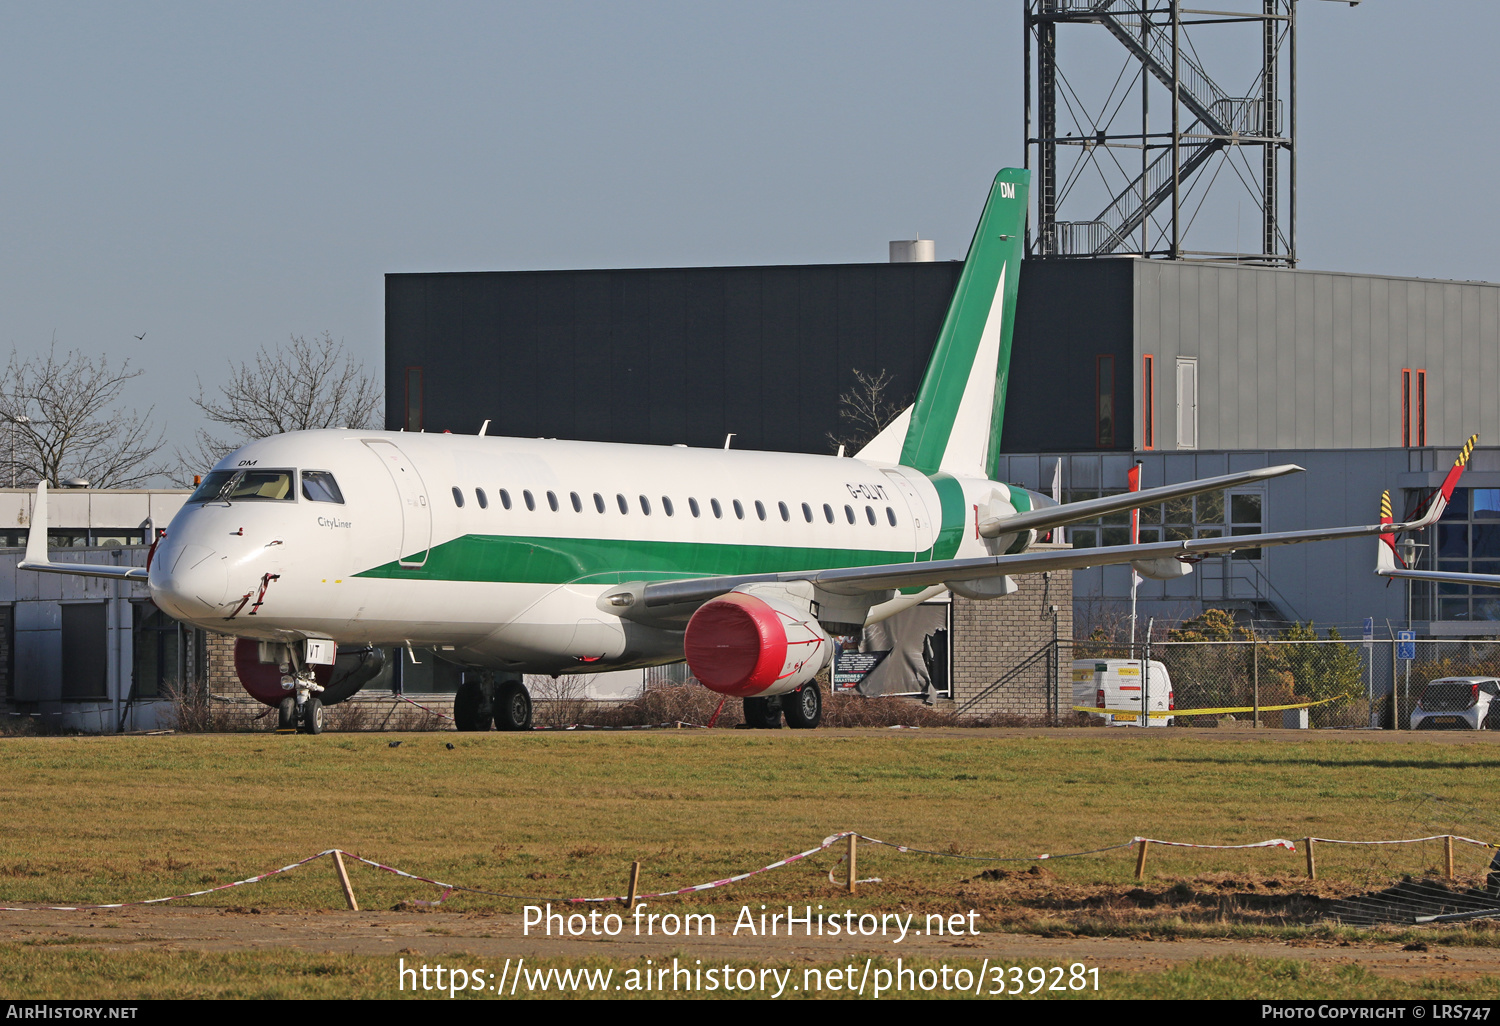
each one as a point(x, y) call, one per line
point(1072, 512)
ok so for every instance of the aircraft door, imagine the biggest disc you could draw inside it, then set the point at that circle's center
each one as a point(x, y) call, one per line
point(416, 513)
point(923, 528)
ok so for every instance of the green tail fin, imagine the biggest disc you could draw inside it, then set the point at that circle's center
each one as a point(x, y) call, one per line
point(960, 407)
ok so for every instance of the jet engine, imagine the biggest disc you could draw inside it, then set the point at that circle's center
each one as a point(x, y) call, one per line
point(743, 645)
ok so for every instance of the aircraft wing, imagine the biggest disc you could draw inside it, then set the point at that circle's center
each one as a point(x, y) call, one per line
point(36, 550)
point(874, 579)
point(1048, 517)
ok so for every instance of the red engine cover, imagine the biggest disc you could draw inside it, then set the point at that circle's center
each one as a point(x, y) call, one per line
point(736, 645)
point(263, 680)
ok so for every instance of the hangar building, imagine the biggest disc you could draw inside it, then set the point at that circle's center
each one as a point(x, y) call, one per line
point(1369, 382)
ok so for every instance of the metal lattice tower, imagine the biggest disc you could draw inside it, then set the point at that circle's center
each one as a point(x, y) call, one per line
point(1222, 164)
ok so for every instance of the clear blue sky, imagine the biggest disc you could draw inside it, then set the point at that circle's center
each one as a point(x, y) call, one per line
point(219, 176)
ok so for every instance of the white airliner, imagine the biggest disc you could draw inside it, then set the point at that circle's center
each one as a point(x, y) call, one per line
point(542, 556)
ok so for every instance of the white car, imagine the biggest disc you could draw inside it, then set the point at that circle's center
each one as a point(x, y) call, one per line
point(1460, 703)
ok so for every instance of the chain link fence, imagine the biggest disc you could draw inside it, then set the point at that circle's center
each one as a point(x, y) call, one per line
point(1340, 683)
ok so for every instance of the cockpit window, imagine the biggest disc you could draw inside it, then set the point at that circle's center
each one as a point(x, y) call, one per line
point(263, 486)
point(212, 486)
point(319, 486)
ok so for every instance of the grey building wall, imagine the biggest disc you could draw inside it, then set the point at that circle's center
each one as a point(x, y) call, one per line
point(1313, 359)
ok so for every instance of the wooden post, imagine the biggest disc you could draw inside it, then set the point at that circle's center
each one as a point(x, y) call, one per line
point(852, 874)
point(1312, 865)
point(338, 864)
point(1448, 854)
point(635, 879)
point(1140, 861)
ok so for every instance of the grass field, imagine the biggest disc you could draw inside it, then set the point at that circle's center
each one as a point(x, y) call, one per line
point(563, 815)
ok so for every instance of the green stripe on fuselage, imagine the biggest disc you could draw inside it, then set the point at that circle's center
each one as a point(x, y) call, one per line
point(955, 517)
point(500, 558)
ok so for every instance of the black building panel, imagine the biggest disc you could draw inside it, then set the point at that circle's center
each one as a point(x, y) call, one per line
point(691, 354)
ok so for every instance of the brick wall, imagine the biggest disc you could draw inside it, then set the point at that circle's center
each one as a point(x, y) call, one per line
point(1003, 657)
point(372, 710)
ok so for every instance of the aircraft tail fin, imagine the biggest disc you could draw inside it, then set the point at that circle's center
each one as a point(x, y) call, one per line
point(956, 420)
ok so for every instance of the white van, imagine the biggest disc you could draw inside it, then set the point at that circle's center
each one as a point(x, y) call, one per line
point(1117, 684)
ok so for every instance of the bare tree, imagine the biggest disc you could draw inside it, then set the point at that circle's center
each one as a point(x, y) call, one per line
point(866, 409)
point(64, 423)
point(297, 387)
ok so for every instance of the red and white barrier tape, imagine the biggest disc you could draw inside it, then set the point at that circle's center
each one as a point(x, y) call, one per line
point(828, 842)
point(431, 712)
point(1409, 840)
point(175, 897)
point(1275, 842)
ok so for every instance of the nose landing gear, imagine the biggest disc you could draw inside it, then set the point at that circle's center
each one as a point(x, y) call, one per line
point(302, 710)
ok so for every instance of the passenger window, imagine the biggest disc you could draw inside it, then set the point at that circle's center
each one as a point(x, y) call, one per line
point(890, 515)
point(645, 505)
point(718, 510)
point(786, 514)
point(666, 505)
point(807, 512)
point(530, 502)
point(552, 500)
point(599, 502)
point(484, 500)
point(739, 511)
point(693, 506)
point(870, 512)
point(319, 486)
point(828, 512)
point(458, 497)
point(577, 502)
point(760, 509)
point(849, 512)
point(624, 506)
point(505, 498)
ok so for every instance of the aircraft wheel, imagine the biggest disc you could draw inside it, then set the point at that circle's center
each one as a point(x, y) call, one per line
point(513, 707)
point(804, 707)
point(470, 708)
point(286, 714)
point(763, 713)
point(312, 716)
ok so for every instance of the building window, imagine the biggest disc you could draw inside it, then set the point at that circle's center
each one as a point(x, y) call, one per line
point(1421, 407)
point(1104, 401)
point(1148, 402)
point(1406, 407)
point(414, 398)
point(1466, 540)
point(159, 667)
point(1192, 516)
point(85, 645)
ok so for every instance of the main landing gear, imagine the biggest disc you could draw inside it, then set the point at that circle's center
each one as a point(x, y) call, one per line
point(802, 708)
point(506, 703)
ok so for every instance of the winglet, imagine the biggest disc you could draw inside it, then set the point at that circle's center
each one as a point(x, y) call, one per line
point(1445, 491)
point(1385, 556)
point(36, 537)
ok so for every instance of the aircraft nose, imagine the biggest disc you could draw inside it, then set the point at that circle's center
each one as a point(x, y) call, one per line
point(191, 583)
